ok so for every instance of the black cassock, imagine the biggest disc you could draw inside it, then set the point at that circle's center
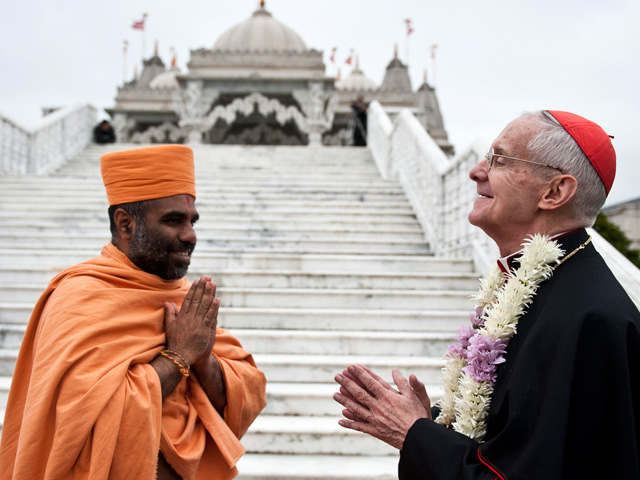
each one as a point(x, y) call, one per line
point(566, 404)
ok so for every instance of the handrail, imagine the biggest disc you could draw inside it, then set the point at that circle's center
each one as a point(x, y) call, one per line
point(437, 187)
point(442, 195)
point(56, 138)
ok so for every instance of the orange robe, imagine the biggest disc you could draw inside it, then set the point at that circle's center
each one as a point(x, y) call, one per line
point(84, 401)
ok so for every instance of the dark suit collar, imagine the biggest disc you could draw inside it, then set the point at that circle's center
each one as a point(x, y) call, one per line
point(568, 242)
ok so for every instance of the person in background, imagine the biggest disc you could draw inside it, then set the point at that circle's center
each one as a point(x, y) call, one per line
point(103, 133)
point(359, 118)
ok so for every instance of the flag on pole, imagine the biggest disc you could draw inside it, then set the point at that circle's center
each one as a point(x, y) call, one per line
point(409, 26)
point(349, 58)
point(333, 55)
point(139, 24)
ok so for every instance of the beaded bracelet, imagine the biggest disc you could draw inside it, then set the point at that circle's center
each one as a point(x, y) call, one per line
point(183, 370)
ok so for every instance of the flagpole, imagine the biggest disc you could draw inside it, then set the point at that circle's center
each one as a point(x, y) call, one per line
point(433, 63)
point(407, 22)
point(144, 37)
point(124, 62)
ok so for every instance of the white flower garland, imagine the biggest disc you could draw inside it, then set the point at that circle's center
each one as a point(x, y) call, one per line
point(469, 374)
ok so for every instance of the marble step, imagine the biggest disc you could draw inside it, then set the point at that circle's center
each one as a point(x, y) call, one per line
point(99, 224)
point(373, 245)
point(288, 278)
point(271, 176)
point(211, 194)
point(28, 236)
point(323, 368)
point(222, 258)
point(287, 434)
point(9, 210)
point(210, 172)
point(315, 342)
point(209, 226)
point(334, 183)
point(313, 399)
point(323, 342)
point(267, 218)
point(213, 261)
point(309, 368)
point(301, 298)
point(209, 197)
point(447, 321)
point(283, 398)
point(254, 466)
point(84, 164)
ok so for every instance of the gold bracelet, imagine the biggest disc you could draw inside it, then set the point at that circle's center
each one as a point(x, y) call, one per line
point(183, 370)
point(178, 355)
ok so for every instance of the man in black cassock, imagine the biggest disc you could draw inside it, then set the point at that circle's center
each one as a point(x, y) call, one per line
point(566, 400)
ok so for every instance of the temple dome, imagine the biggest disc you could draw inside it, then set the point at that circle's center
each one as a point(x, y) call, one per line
point(260, 33)
point(356, 81)
point(166, 80)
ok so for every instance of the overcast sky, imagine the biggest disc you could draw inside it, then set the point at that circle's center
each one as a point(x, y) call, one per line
point(494, 60)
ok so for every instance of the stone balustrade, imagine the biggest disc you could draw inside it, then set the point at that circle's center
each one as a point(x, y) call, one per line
point(55, 139)
point(438, 187)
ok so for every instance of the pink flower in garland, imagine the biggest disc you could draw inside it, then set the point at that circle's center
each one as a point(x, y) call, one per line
point(476, 318)
point(464, 333)
point(484, 354)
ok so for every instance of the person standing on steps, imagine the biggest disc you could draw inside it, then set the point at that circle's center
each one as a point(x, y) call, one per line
point(359, 117)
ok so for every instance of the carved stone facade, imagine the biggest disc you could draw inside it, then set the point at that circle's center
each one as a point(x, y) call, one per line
point(259, 84)
point(394, 94)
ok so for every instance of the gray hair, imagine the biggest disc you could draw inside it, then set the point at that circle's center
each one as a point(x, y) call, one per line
point(554, 145)
point(138, 210)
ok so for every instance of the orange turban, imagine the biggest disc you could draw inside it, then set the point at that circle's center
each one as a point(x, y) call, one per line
point(148, 173)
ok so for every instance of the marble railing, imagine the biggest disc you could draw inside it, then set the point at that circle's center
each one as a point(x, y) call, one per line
point(442, 195)
point(438, 187)
point(55, 139)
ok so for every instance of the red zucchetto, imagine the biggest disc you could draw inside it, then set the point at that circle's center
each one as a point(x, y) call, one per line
point(593, 141)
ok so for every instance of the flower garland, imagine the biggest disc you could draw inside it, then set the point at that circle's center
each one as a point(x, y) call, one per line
point(470, 372)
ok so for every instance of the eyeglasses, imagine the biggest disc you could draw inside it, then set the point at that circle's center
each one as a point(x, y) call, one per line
point(490, 154)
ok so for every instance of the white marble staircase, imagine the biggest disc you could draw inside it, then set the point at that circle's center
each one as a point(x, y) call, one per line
point(319, 264)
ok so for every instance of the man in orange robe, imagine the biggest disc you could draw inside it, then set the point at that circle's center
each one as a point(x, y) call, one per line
point(123, 372)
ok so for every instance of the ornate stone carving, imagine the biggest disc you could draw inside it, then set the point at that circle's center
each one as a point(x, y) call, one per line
point(262, 134)
point(192, 106)
point(122, 126)
point(248, 104)
point(319, 109)
point(341, 138)
point(164, 133)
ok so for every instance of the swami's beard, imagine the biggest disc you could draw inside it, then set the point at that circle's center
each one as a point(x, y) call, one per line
point(158, 256)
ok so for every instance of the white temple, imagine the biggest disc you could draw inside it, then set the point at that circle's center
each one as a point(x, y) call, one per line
point(261, 84)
